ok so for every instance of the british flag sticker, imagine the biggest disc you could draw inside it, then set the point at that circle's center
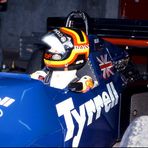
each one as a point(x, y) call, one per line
point(105, 66)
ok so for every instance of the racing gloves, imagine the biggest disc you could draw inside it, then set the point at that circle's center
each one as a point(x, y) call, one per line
point(82, 85)
point(39, 75)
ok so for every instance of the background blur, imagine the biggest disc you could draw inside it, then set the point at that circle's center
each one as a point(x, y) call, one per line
point(22, 17)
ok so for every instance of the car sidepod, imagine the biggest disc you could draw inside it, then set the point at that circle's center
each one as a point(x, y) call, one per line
point(27, 115)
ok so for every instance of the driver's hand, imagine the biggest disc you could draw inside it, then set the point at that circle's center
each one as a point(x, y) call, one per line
point(82, 85)
point(39, 75)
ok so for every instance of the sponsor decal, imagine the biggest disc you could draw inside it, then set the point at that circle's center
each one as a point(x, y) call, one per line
point(86, 113)
point(1, 113)
point(6, 102)
point(80, 62)
point(66, 41)
point(60, 35)
point(81, 47)
point(105, 66)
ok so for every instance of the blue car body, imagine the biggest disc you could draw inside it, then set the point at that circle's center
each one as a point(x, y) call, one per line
point(35, 114)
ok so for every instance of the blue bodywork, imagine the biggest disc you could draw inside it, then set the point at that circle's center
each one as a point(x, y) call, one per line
point(35, 114)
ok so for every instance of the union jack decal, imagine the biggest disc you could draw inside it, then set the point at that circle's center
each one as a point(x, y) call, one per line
point(105, 66)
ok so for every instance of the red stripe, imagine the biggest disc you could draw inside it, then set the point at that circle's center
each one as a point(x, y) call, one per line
point(128, 42)
point(105, 65)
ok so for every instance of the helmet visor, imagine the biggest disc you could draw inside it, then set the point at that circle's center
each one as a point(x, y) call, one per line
point(59, 47)
point(56, 49)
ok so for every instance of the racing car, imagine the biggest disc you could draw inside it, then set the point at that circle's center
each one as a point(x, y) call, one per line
point(34, 114)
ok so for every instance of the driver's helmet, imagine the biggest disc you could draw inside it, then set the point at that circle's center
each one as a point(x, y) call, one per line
point(66, 49)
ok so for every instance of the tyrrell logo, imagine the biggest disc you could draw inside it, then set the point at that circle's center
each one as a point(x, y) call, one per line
point(87, 111)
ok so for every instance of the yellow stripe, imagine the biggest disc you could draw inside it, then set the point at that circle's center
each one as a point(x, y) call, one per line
point(77, 36)
point(67, 61)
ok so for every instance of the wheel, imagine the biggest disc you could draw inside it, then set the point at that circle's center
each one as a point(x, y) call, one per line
point(136, 135)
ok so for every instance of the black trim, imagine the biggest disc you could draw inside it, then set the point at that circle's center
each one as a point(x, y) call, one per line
point(119, 28)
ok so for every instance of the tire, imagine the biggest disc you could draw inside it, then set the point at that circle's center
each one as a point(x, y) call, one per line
point(136, 135)
point(36, 61)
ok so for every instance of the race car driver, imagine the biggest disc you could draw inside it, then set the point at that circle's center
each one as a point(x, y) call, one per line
point(67, 52)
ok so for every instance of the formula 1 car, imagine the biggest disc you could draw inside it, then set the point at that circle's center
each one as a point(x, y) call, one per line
point(35, 114)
